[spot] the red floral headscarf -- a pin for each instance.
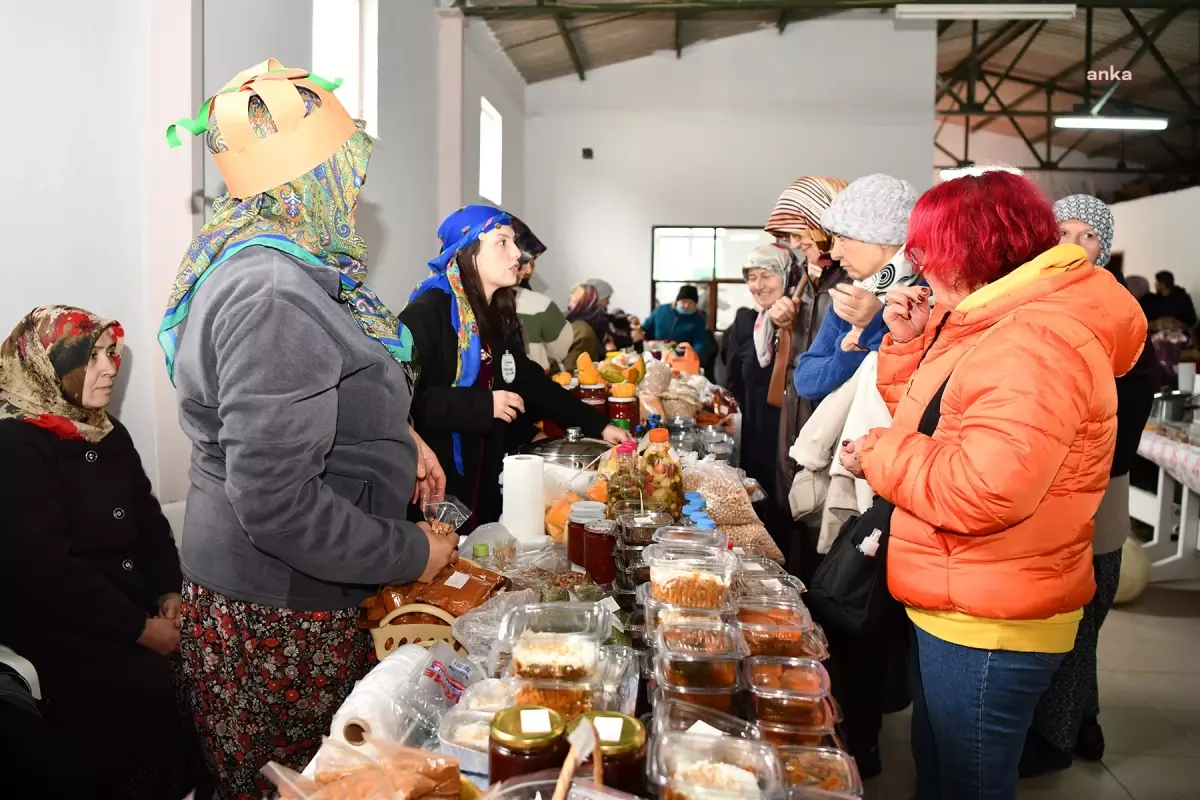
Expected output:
(42, 367)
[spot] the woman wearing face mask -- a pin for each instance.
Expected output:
(89, 581)
(1067, 718)
(681, 322)
(475, 380)
(869, 222)
(589, 326)
(749, 347)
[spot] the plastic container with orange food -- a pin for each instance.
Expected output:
(659, 613)
(791, 690)
(821, 768)
(571, 699)
(700, 655)
(688, 766)
(780, 628)
(782, 734)
(723, 700)
(687, 576)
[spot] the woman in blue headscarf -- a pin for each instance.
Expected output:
(474, 379)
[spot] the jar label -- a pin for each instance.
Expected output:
(457, 580)
(772, 583)
(508, 367)
(750, 566)
(702, 728)
(622, 423)
(609, 729)
(535, 721)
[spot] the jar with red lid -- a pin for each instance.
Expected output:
(595, 395)
(624, 412)
(576, 540)
(600, 541)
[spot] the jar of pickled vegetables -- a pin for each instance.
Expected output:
(662, 475)
(625, 486)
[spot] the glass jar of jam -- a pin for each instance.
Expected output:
(622, 747)
(624, 412)
(595, 395)
(524, 740)
(576, 523)
(600, 541)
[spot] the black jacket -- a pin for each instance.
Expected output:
(440, 409)
(85, 542)
(749, 383)
(1135, 396)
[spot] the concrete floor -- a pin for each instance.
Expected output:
(1150, 711)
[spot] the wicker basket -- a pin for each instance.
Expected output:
(394, 632)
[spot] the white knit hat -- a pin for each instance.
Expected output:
(872, 209)
(604, 289)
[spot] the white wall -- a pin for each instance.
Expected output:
(1158, 233)
(488, 72)
(714, 137)
(989, 147)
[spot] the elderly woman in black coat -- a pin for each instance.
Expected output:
(90, 578)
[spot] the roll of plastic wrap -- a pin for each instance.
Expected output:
(370, 708)
(524, 512)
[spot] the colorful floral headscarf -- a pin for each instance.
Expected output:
(585, 307)
(309, 218)
(42, 367)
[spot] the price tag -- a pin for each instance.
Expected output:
(772, 583)
(610, 604)
(458, 580)
(750, 566)
(609, 729)
(618, 624)
(739, 551)
(702, 728)
(578, 569)
(643, 520)
(535, 720)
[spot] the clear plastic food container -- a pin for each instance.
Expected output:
(569, 698)
(638, 527)
(700, 654)
(782, 735)
(625, 592)
(788, 587)
(465, 735)
(629, 556)
(556, 641)
(778, 627)
(791, 690)
(618, 674)
(691, 766)
(758, 567)
(682, 717)
(687, 576)
(821, 768)
(541, 786)
(489, 695)
(691, 537)
(723, 700)
(659, 613)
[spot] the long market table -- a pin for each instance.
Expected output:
(1179, 465)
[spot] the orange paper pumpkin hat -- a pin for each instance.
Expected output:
(252, 164)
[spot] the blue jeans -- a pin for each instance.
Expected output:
(969, 729)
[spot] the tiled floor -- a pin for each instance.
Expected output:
(1150, 711)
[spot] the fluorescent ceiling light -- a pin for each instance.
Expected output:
(977, 169)
(1111, 123)
(985, 11)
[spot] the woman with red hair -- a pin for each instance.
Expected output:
(990, 541)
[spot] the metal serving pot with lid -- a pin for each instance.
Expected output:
(573, 450)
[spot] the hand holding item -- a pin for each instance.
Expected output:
(907, 312)
(431, 478)
(854, 305)
(637, 334)
(615, 435)
(850, 457)
(168, 607)
(443, 551)
(783, 313)
(507, 405)
(160, 635)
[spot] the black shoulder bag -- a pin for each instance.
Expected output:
(849, 590)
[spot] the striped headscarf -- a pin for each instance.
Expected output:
(801, 205)
(308, 218)
(42, 367)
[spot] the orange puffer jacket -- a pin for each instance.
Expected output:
(994, 512)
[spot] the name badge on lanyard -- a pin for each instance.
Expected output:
(508, 367)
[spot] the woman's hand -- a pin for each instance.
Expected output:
(854, 305)
(783, 313)
(168, 607)
(907, 312)
(507, 405)
(443, 551)
(851, 452)
(431, 478)
(637, 334)
(160, 635)
(850, 341)
(615, 435)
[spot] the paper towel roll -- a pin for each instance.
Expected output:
(1187, 376)
(524, 511)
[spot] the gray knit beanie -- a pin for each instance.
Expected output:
(873, 209)
(1094, 212)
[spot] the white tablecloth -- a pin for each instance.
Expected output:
(1181, 461)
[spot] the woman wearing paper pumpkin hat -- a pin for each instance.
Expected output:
(476, 380)
(294, 385)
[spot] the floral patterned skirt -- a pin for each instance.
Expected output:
(263, 683)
